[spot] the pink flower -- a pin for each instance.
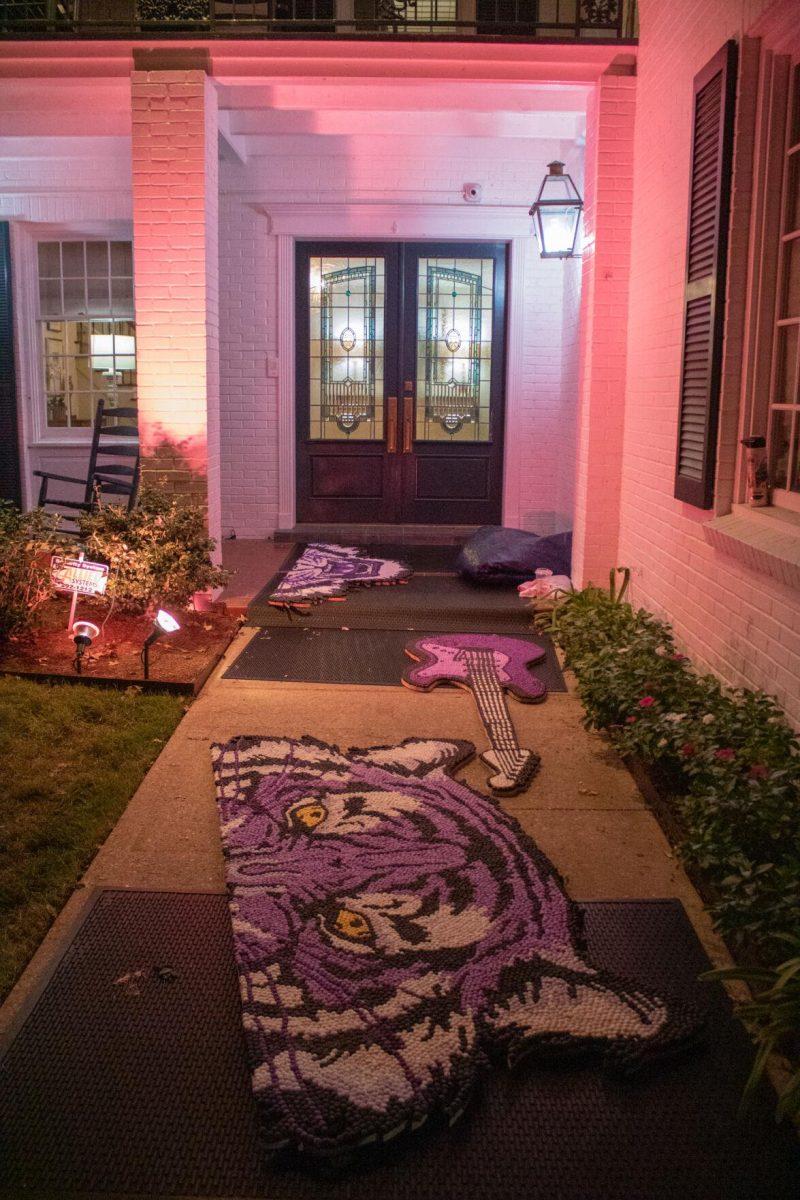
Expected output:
(630, 720)
(687, 749)
(647, 702)
(725, 755)
(679, 657)
(759, 771)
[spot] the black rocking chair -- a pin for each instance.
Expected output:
(111, 440)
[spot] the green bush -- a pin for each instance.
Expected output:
(732, 763)
(160, 553)
(26, 539)
(730, 757)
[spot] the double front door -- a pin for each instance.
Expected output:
(400, 379)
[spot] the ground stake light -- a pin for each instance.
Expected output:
(556, 213)
(164, 623)
(83, 634)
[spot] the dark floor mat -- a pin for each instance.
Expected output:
(365, 656)
(442, 603)
(129, 1077)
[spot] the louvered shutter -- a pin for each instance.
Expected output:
(9, 442)
(706, 260)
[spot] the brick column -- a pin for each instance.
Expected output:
(604, 326)
(175, 246)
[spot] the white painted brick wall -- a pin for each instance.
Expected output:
(305, 169)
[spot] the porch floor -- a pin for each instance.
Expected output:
(583, 809)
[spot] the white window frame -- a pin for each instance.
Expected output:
(785, 497)
(26, 236)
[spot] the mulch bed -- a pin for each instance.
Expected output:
(183, 659)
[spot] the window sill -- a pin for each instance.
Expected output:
(765, 539)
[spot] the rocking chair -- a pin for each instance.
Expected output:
(103, 477)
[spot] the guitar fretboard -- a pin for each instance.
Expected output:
(491, 702)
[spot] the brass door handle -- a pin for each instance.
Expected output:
(408, 428)
(391, 426)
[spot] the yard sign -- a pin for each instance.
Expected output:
(78, 575)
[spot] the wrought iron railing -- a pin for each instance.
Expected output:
(559, 20)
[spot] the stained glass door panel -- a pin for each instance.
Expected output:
(454, 349)
(346, 348)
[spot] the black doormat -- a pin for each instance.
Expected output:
(440, 603)
(129, 1078)
(364, 656)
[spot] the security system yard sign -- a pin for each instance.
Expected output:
(78, 576)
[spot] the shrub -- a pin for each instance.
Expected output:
(160, 553)
(733, 763)
(25, 541)
(730, 755)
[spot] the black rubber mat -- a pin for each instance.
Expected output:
(365, 656)
(444, 603)
(129, 1078)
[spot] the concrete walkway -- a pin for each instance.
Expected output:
(583, 809)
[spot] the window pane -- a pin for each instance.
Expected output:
(346, 349)
(82, 406)
(97, 258)
(793, 199)
(98, 296)
(57, 411)
(49, 260)
(786, 374)
(454, 349)
(72, 258)
(121, 258)
(122, 297)
(50, 304)
(780, 441)
(75, 297)
(791, 279)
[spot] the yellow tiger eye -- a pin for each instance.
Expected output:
(352, 924)
(309, 815)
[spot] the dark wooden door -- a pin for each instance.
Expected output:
(400, 382)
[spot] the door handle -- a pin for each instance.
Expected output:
(391, 426)
(408, 427)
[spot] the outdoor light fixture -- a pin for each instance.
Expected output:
(556, 213)
(83, 634)
(164, 623)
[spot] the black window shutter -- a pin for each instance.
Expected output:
(10, 488)
(706, 261)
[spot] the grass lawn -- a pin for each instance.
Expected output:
(71, 757)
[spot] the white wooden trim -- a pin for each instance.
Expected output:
(385, 221)
(395, 222)
(514, 424)
(287, 496)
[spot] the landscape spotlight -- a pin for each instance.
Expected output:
(163, 623)
(83, 634)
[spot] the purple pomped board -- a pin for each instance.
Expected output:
(326, 572)
(489, 665)
(391, 928)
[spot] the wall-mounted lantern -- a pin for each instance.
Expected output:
(556, 213)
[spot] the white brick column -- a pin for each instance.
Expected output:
(175, 246)
(604, 327)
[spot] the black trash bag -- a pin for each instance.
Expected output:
(498, 556)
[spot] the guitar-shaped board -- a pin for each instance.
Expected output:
(489, 665)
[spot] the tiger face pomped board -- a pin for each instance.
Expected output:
(391, 927)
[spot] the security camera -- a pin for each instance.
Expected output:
(472, 193)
